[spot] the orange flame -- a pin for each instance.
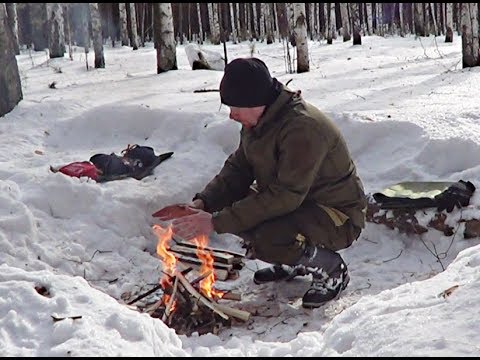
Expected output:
(206, 285)
(170, 261)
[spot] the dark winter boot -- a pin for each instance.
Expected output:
(329, 276)
(277, 273)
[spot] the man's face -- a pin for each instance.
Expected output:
(248, 117)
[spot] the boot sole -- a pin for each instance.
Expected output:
(317, 305)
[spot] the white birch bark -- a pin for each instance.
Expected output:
(255, 32)
(355, 13)
(123, 24)
(10, 84)
(333, 21)
(269, 23)
(261, 21)
(248, 25)
(234, 28)
(326, 14)
(200, 26)
(418, 19)
(402, 22)
(315, 20)
(345, 22)
(380, 24)
(214, 23)
(449, 23)
(240, 32)
(470, 37)
(56, 34)
(369, 12)
(97, 37)
(434, 20)
(13, 22)
(301, 38)
(310, 20)
(133, 24)
(164, 37)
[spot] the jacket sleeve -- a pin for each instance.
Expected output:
(230, 184)
(302, 150)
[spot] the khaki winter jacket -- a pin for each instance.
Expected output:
(296, 154)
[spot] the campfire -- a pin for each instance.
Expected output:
(190, 302)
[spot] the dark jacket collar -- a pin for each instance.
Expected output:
(272, 112)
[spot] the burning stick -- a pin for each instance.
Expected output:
(199, 296)
(166, 314)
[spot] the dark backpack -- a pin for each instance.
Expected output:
(136, 161)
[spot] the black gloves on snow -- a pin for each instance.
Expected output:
(457, 194)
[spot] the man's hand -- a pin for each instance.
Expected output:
(178, 210)
(191, 226)
(198, 204)
(174, 211)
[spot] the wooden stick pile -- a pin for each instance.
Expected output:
(183, 306)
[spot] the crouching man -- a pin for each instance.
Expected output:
(309, 202)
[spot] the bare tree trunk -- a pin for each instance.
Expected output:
(232, 20)
(142, 24)
(200, 27)
(133, 26)
(470, 38)
(123, 24)
(355, 12)
(66, 10)
(240, 33)
(369, 13)
(418, 19)
(449, 23)
(214, 23)
(431, 11)
(333, 21)
(10, 84)
(316, 16)
(164, 37)
(13, 22)
(261, 21)
(301, 38)
(97, 36)
(401, 19)
(57, 31)
(345, 22)
(270, 23)
(38, 18)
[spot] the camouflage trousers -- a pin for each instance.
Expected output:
(283, 240)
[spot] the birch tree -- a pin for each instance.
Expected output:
(200, 27)
(38, 20)
(56, 35)
(449, 23)
(234, 28)
(301, 38)
(369, 16)
(470, 39)
(164, 37)
(133, 26)
(13, 22)
(418, 19)
(122, 13)
(10, 85)
(97, 36)
(345, 22)
(213, 20)
(355, 12)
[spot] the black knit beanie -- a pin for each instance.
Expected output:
(247, 83)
